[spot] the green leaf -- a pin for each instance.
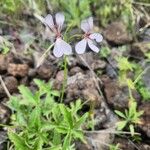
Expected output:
(78, 134)
(56, 138)
(131, 129)
(66, 114)
(119, 113)
(121, 125)
(66, 142)
(81, 121)
(13, 103)
(62, 129)
(47, 126)
(130, 84)
(34, 119)
(28, 97)
(38, 144)
(55, 93)
(18, 141)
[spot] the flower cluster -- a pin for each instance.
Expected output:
(61, 47)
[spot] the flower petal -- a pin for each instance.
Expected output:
(57, 51)
(60, 18)
(96, 36)
(92, 46)
(90, 22)
(65, 47)
(81, 46)
(85, 26)
(48, 20)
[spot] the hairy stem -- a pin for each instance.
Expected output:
(65, 79)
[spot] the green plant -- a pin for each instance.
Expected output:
(9, 6)
(5, 45)
(75, 10)
(109, 10)
(124, 67)
(105, 52)
(130, 117)
(145, 92)
(40, 123)
(114, 147)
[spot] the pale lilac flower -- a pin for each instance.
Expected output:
(60, 46)
(89, 38)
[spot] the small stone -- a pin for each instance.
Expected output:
(117, 33)
(145, 119)
(117, 95)
(82, 86)
(11, 84)
(18, 70)
(140, 49)
(3, 64)
(32, 73)
(4, 114)
(3, 139)
(45, 71)
(92, 96)
(124, 144)
(98, 64)
(75, 70)
(145, 35)
(60, 76)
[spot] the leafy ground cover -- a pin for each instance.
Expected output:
(76, 79)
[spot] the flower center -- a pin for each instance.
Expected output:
(86, 35)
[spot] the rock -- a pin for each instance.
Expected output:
(3, 138)
(11, 84)
(111, 72)
(75, 70)
(145, 35)
(146, 76)
(60, 76)
(100, 118)
(24, 81)
(117, 34)
(98, 64)
(145, 119)
(139, 49)
(83, 87)
(96, 140)
(4, 114)
(18, 70)
(32, 72)
(45, 71)
(92, 60)
(91, 95)
(143, 146)
(3, 64)
(59, 80)
(117, 96)
(19, 58)
(124, 144)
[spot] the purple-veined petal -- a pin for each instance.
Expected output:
(85, 26)
(96, 36)
(92, 46)
(57, 51)
(65, 47)
(48, 20)
(90, 22)
(81, 46)
(60, 18)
